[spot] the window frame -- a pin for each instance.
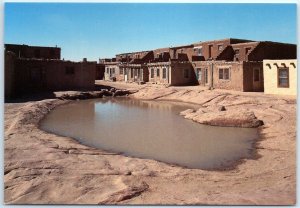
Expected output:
(223, 73)
(158, 72)
(152, 73)
(164, 73)
(220, 47)
(278, 77)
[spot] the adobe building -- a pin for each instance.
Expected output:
(243, 50)
(27, 75)
(230, 75)
(33, 75)
(231, 55)
(171, 66)
(234, 64)
(133, 66)
(280, 77)
(111, 70)
(38, 52)
(173, 73)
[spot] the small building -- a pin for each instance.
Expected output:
(35, 75)
(280, 76)
(27, 75)
(233, 75)
(111, 71)
(173, 73)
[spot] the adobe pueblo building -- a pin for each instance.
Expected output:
(280, 76)
(233, 64)
(36, 69)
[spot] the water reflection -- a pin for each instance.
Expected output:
(150, 129)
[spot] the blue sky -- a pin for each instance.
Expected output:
(103, 30)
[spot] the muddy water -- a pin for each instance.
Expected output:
(150, 129)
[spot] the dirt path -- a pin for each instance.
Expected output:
(45, 168)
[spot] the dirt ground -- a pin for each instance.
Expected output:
(42, 168)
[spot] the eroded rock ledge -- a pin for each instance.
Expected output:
(93, 94)
(219, 116)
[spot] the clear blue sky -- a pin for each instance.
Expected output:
(103, 30)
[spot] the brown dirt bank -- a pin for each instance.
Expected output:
(45, 168)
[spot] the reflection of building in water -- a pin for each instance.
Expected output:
(147, 104)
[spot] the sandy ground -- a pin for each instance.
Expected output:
(42, 168)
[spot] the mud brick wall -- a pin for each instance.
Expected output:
(158, 77)
(177, 74)
(271, 50)
(9, 73)
(25, 51)
(250, 85)
(53, 75)
(100, 68)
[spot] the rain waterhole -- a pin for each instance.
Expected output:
(152, 130)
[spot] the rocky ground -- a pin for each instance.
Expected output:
(42, 168)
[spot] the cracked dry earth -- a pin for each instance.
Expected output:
(42, 168)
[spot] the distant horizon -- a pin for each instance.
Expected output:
(102, 30)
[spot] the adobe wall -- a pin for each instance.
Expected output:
(271, 50)
(9, 74)
(204, 66)
(235, 81)
(100, 68)
(25, 51)
(270, 68)
(250, 85)
(244, 50)
(177, 74)
(52, 75)
(158, 78)
(215, 51)
(133, 73)
(107, 71)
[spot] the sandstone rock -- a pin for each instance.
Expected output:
(245, 119)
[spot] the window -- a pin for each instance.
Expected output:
(186, 73)
(220, 47)
(283, 77)
(199, 74)
(112, 70)
(237, 52)
(210, 51)
(164, 73)
(224, 74)
(131, 73)
(256, 75)
(157, 72)
(247, 50)
(152, 73)
(200, 51)
(121, 71)
(69, 70)
(206, 76)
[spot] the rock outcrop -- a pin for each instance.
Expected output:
(217, 117)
